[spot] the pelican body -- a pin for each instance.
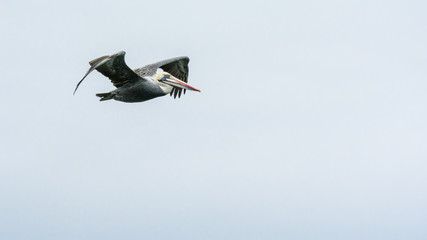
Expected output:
(144, 83)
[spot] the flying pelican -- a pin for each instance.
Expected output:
(143, 83)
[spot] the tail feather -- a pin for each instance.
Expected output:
(105, 96)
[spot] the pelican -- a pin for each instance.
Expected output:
(144, 83)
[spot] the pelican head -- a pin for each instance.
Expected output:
(167, 79)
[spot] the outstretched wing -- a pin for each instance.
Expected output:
(178, 67)
(113, 67)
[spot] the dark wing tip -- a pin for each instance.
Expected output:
(76, 88)
(78, 84)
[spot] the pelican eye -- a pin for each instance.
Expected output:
(166, 76)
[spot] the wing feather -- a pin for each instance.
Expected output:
(113, 67)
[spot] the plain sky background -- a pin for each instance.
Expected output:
(311, 123)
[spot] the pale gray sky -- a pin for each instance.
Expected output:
(311, 123)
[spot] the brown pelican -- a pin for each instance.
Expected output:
(143, 83)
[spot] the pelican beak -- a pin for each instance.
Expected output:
(175, 82)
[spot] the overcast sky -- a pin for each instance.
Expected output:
(311, 123)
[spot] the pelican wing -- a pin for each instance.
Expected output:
(113, 67)
(178, 67)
